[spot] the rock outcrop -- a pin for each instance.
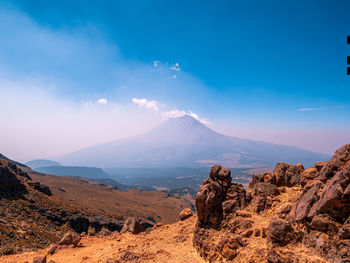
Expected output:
(11, 185)
(81, 222)
(218, 197)
(279, 213)
(217, 200)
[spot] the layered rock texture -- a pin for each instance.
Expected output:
(289, 215)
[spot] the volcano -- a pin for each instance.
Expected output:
(186, 142)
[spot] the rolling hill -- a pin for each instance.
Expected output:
(185, 142)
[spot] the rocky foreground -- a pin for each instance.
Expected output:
(291, 215)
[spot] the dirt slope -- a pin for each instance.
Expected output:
(168, 243)
(154, 205)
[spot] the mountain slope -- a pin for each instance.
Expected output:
(186, 142)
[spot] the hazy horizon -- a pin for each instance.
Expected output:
(78, 74)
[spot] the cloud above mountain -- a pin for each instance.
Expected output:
(147, 104)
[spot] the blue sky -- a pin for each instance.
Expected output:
(267, 70)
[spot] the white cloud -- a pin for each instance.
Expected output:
(195, 115)
(173, 113)
(102, 101)
(179, 113)
(321, 108)
(174, 77)
(156, 63)
(147, 104)
(175, 67)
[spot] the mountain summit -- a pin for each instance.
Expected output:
(186, 142)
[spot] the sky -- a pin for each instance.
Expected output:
(78, 73)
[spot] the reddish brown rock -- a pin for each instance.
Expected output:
(331, 199)
(70, 239)
(300, 167)
(319, 165)
(212, 194)
(321, 223)
(132, 225)
(39, 259)
(310, 173)
(344, 232)
(277, 257)
(306, 201)
(336, 163)
(280, 232)
(216, 202)
(286, 174)
(53, 248)
(235, 199)
(259, 203)
(185, 213)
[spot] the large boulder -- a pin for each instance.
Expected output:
(211, 195)
(332, 199)
(336, 163)
(216, 202)
(329, 192)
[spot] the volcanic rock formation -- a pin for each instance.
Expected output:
(289, 215)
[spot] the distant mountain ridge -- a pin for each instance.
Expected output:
(186, 142)
(42, 163)
(74, 171)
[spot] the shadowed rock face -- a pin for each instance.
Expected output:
(217, 200)
(10, 184)
(329, 192)
(218, 197)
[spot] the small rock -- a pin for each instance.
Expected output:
(280, 232)
(274, 257)
(310, 173)
(39, 259)
(132, 225)
(248, 233)
(52, 249)
(243, 214)
(257, 232)
(70, 239)
(344, 232)
(300, 167)
(186, 213)
(320, 222)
